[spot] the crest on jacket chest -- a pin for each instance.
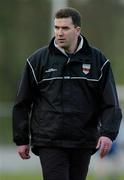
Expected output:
(86, 68)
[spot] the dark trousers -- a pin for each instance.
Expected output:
(64, 163)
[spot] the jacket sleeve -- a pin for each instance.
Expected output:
(110, 116)
(22, 108)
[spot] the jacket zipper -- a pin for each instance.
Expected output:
(68, 60)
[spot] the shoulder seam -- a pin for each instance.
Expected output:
(102, 68)
(32, 71)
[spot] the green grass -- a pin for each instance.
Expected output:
(114, 177)
(22, 176)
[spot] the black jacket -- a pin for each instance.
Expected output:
(66, 100)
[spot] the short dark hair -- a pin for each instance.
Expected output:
(69, 12)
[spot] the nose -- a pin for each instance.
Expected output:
(60, 32)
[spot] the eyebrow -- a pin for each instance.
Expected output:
(61, 26)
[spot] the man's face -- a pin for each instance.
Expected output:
(66, 33)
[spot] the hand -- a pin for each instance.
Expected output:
(104, 144)
(23, 151)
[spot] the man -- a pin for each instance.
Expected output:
(67, 103)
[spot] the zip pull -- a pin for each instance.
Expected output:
(68, 60)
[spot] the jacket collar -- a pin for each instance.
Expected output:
(80, 45)
(83, 49)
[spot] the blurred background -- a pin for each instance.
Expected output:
(26, 25)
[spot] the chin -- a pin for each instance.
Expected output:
(62, 46)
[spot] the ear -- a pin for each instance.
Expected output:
(78, 30)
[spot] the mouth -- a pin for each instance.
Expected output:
(61, 40)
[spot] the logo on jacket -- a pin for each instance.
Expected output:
(86, 68)
(51, 70)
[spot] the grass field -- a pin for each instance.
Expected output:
(34, 176)
(20, 177)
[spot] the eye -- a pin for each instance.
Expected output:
(65, 28)
(56, 27)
